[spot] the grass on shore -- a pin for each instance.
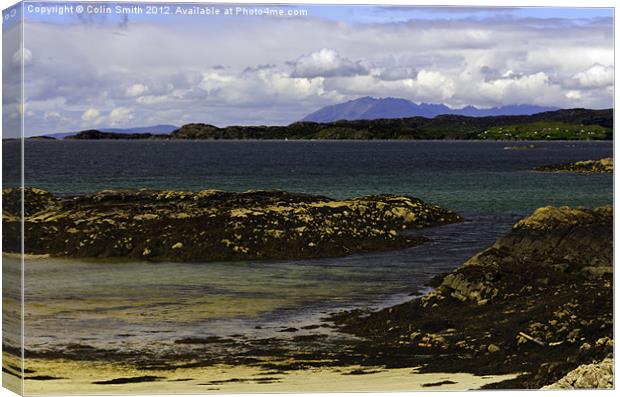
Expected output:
(546, 130)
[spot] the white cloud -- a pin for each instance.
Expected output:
(596, 76)
(91, 118)
(215, 79)
(137, 90)
(532, 89)
(90, 114)
(50, 115)
(326, 63)
(434, 84)
(255, 86)
(119, 116)
(282, 85)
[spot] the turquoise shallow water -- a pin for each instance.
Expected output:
(145, 307)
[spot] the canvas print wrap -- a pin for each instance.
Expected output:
(223, 198)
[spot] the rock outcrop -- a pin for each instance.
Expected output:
(539, 302)
(213, 225)
(598, 375)
(565, 239)
(601, 166)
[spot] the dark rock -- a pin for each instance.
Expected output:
(439, 383)
(42, 377)
(213, 225)
(605, 165)
(135, 379)
(550, 235)
(525, 300)
(362, 372)
(35, 200)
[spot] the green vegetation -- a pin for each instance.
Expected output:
(546, 130)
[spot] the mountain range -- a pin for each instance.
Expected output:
(369, 108)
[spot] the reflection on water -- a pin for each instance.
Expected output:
(146, 306)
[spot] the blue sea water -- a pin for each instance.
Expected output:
(466, 176)
(146, 306)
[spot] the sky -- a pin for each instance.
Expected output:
(108, 70)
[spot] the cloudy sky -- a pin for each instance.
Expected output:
(86, 71)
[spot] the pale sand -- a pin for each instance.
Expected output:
(79, 377)
(17, 255)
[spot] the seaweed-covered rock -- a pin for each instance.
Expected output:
(214, 225)
(35, 200)
(552, 239)
(539, 302)
(605, 165)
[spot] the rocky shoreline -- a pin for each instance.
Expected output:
(538, 302)
(601, 166)
(212, 225)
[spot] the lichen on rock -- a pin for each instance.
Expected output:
(213, 225)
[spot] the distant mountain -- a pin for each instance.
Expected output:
(508, 110)
(155, 129)
(368, 108)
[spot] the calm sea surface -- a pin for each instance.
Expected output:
(145, 306)
(463, 175)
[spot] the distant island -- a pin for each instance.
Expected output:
(96, 134)
(152, 129)
(565, 124)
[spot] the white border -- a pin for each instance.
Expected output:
(460, 3)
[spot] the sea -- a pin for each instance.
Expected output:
(144, 306)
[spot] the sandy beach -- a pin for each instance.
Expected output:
(81, 378)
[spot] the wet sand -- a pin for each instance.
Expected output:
(103, 378)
